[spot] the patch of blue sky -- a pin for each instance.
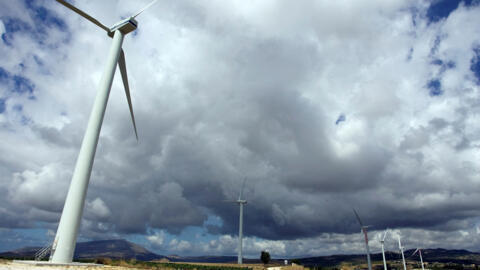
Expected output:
(4, 38)
(2, 105)
(475, 64)
(3, 75)
(198, 233)
(43, 20)
(45, 16)
(201, 233)
(213, 220)
(415, 14)
(193, 234)
(17, 84)
(435, 87)
(22, 85)
(18, 238)
(448, 64)
(341, 118)
(436, 44)
(444, 65)
(439, 10)
(410, 54)
(13, 26)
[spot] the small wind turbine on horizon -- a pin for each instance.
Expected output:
(240, 202)
(364, 230)
(419, 250)
(382, 242)
(401, 250)
(63, 246)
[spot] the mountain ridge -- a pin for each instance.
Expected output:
(123, 249)
(114, 249)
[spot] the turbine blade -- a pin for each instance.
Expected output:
(143, 9)
(83, 14)
(123, 71)
(241, 191)
(385, 235)
(416, 250)
(358, 218)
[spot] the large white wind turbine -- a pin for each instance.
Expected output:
(401, 250)
(240, 202)
(364, 230)
(419, 253)
(382, 242)
(63, 246)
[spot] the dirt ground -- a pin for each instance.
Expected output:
(254, 266)
(12, 265)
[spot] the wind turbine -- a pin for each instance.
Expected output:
(383, 249)
(364, 230)
(419, 253)
(63, 246)
(240, 202)
(403, 256)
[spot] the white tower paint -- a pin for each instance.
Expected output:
(66, 237)
(403, 256)
(419, 253)
(240, 232)
(63, 246)
(383, 250)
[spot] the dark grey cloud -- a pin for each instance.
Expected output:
(224, 92)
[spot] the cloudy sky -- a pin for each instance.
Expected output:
(321, 105)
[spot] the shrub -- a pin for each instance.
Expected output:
(103, 260)
(265, 257)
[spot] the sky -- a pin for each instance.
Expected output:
(323, 106)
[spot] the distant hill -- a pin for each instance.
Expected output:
(123, 249)
(449, 255)
(115, 249)
(429, 255)
(204, 259)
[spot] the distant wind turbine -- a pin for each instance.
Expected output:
(383, 249)
(419, 253)
(240, 202)
(401, 250)
(364, 230)
(63, 246)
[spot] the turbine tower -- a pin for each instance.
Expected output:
(364, 230)
(240, 202)
(382, 242)
(419, 253)
(63, 246)
(403, 256)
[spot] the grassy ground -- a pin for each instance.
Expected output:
(110, 264)
(125, 265)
